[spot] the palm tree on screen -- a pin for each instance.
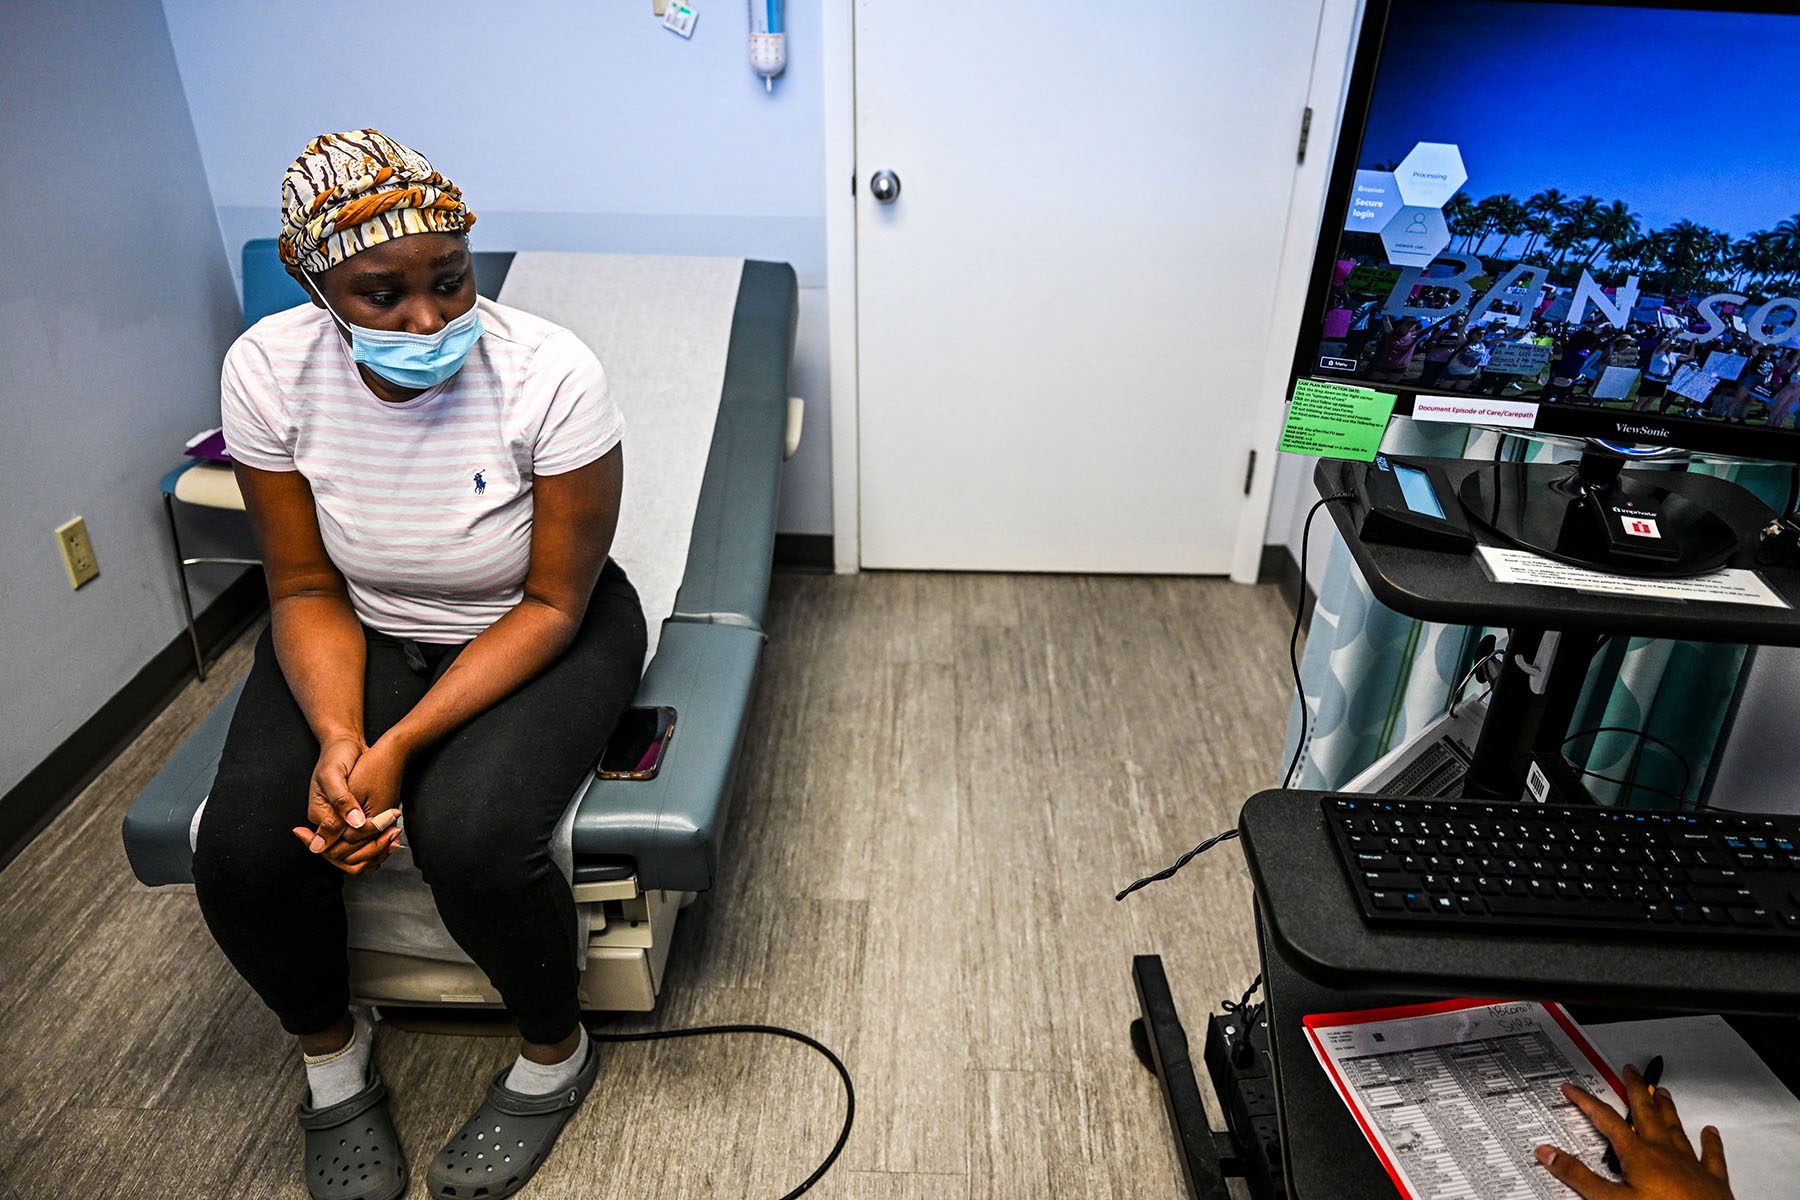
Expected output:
(1543, 210)
(1614, 226)
(1510, 220)
(1459, 215)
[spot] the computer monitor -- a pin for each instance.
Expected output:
(1574, 218)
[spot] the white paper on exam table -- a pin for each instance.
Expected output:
(1454, 1096)
(1715, 1078)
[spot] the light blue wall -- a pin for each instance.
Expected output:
(569, 125)
(115, 308)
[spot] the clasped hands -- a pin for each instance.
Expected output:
(352, 786)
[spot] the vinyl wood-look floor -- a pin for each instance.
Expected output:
(948, 776)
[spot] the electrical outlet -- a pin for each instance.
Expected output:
(77, 551)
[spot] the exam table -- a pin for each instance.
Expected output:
(697, 352)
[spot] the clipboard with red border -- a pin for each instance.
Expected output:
(1316, 1021)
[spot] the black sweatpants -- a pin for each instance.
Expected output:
(480, 808)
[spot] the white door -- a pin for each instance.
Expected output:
(1062, 317)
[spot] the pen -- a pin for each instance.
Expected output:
(1652, 1075)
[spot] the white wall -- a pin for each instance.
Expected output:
(568, 125)
(115, 309)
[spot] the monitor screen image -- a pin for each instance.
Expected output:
(1555, 215)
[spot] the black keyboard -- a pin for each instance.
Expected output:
(1583, 872)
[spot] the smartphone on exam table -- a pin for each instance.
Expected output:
(638, 744)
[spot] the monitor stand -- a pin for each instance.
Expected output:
(1594, 513)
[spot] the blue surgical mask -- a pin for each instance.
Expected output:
(411, 360)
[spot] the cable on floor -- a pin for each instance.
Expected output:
(771, 1031)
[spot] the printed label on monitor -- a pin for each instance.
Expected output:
(1638, 526)
(1537, 784)
(1476, 410)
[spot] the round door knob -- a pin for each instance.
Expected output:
(884, 186)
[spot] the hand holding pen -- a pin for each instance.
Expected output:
(1652, 1076)
(1654, 1153)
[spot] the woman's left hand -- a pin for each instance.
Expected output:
(375, 778)
(375, 783)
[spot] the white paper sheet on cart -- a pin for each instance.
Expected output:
(1735, 585)
(1455, 1096)
(1715, 1078)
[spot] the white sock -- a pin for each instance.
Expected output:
(335, 1077)
(537, 1079)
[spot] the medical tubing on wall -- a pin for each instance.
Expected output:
(768, 40)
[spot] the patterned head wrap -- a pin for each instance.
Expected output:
(349, 191)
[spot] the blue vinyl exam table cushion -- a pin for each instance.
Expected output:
(664, 830)
(269, 289)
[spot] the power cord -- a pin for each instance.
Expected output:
(1252, 1012)
(1299, 690)
(1630, 784)
(772, 1031)
(1242, 1003)
(1687, 768)
(1294, 635)
(1202, 848)
(1232, 1006)
(1490, 657)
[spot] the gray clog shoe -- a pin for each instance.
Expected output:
(500, 1148)
(352, 1151)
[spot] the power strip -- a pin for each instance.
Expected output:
(1243, 1078)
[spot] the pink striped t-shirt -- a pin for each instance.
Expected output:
(424, 506)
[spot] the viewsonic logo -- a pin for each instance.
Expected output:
(1642, 430)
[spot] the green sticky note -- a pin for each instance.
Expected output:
(1335, 420)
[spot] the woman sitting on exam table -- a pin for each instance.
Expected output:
(434, 481)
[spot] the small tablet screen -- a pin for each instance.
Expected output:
(1421, 497)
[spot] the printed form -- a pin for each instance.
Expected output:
(1734, 585)
(1455, 1096)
